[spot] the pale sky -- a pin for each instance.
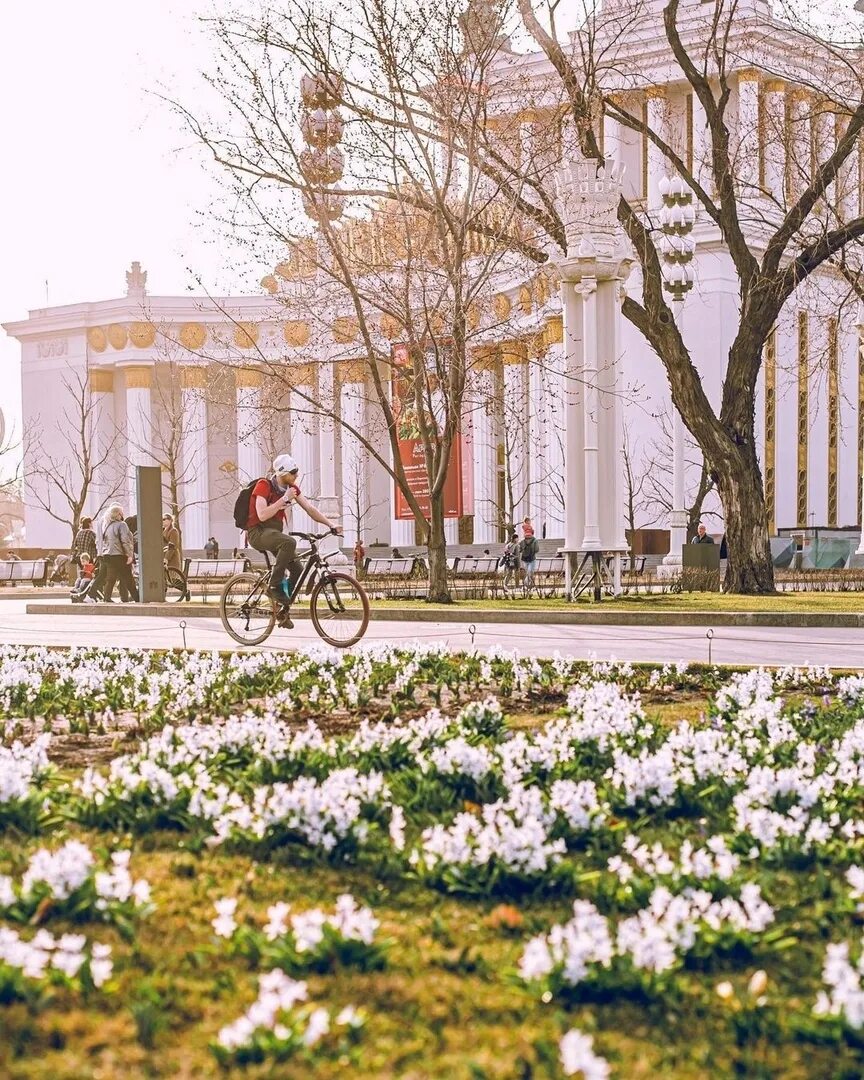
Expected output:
(97, 172)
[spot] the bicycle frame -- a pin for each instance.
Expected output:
(313, 562)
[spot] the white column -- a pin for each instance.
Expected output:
(139, 427)
(251, 460)
(678, 514)
(484, 450)
(516, 421)
(587, 289)
(703, 153)
(658, 122)
(847, 177)
(195, 487)
(775, 140)
(825, 141)
(555, 397)
(619, 492)
(304, 448)
(538, 445)
(355, 479)
(102, 434)
(800, 142)
(748, 132)
(574, 419)
(328, 495)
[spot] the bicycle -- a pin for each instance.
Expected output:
(176, 587)
(338, 604)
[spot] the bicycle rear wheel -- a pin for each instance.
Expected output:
(247, 612)
(339, 609)
(175, 584)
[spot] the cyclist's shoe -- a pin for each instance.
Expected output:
(283, 619)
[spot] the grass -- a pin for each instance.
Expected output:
(661, 602)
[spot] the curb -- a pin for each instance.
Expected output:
(839, 619)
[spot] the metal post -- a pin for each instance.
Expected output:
(151, 569)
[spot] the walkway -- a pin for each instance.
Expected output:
(730, 645)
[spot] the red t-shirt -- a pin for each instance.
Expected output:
(267, 491)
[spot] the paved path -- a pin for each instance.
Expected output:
(730, 645)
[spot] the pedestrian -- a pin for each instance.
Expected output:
(528, 552)
(397, 554)
(211, 548)
(359, 554)
(171, 542)
(83, 543)
(118, 553)
(702, 536)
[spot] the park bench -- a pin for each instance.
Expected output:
(474, 576)
(549, 574)
(206, 572)
(393, 579)
(33, 571)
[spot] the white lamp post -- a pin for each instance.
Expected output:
(677, 247)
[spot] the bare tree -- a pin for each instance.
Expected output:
(657, 477)
(637, 471)
(83, 471)
(777, 229)
(409, 254)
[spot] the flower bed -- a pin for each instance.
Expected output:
(680, 892)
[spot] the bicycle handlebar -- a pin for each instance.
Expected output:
(313, 538)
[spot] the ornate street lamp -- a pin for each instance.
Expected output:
(677, 248)
(323, 163)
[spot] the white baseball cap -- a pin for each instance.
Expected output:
(284, 463)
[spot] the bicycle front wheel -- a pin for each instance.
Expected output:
(340, 610)
(247, 612)
(175, 584)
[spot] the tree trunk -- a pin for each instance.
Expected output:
(749, 568)
(439, 589)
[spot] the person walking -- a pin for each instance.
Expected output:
(83, 543)
(171, 543)
(359, 555)
(528, 553)
(117, 552)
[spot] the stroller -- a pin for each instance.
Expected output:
(90, 591)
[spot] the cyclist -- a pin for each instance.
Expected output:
(267, 504)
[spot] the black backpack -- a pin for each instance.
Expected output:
(241, 503)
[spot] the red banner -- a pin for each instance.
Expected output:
(457, 494)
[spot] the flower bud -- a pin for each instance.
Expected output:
(725, 990)
(758, 983)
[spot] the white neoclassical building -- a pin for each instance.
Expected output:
(220, 355)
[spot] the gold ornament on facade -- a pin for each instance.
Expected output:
(351, 371)
(101, 380)
(554, 330)
(96, 339)
(193, 376)
(300, 375)
(485, 357)
(296, 333)
(269, 283)
(117, 336)
(542, 289)
(249, 378)
(142, 334)
(501, 306)
(138, 378)
(389, 327)
(514, 352)
(246, 335)
(748, 75)
(472, 316)
(436, 324)
(345, 330)
(192, 335)
(526, 301)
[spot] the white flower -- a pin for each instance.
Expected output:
(225, 924)
(577, 1056)
(317, 1027)
(277, 924)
